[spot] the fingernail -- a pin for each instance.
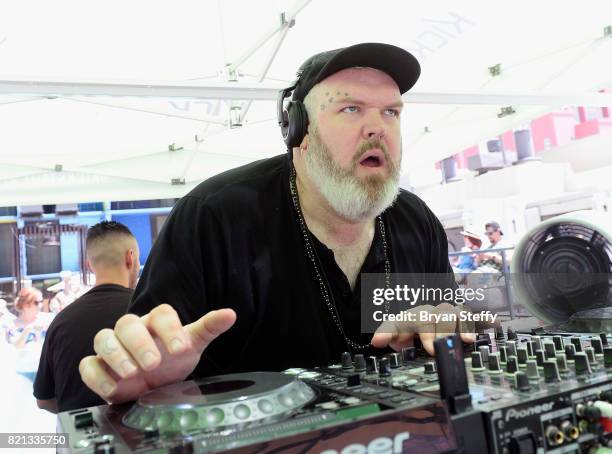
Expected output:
(127, 367)
(107, 388)
(176, 345)
(148, 359)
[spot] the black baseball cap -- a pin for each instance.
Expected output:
(398, 63)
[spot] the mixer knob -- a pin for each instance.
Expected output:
(549, 350)
(477, 365)
(372, 364)
(558, 342)
(494, 363)
(562, 362)
(604, 339)
(522, 381)
(511, 346)
(483, 338)
(570, 351)
(551, 372)
(540, 358)
(430, 368)
(484, 352)
(360, 363)
(346, 361)
(581, 362)
(577, 343)
(607, 356)
(384, 368)
(499, 333)
(532, 369)
(522, 356)
(511, 365)
(408, 354)
(394, 360)
(590, 352)
(597, 345)
(511, 334)
(503, 354)
(538, 343)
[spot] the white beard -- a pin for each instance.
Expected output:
(350, 197)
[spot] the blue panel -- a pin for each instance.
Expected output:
(140, 225)
(69, 251)
(70, 241)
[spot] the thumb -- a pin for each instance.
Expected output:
(206, 329)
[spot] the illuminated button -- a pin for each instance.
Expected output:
(285, 400)
(265, 406)
(165, 419)
(188, 419)
(215, 416)
(242, 411)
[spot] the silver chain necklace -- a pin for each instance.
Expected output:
(310, 251)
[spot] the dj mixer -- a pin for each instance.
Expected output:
(537, 392)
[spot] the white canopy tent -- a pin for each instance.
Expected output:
(136, 100)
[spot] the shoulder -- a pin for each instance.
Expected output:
(408, 205)
(241, 181)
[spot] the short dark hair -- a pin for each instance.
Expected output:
(105, 228)
(495, 226)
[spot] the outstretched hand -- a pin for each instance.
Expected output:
(144, 353)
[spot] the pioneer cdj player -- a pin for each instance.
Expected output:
(508, 393)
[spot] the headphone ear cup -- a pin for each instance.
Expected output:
(298, 124)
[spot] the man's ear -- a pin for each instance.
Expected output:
(129, 258)
(89, 268)
(304, 144)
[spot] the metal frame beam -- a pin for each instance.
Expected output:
(257, 92)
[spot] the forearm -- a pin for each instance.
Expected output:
(49, 404)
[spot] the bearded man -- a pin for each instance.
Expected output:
(267, 257)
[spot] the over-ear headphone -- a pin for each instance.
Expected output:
(293, 119)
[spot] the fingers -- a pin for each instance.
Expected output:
(203, 331)
(381, 340)
(428, 336)
(448, 322)
(109, 349)
(402, 340)
(468, 338)
(95, 376)
(165, 323)
(135, 342)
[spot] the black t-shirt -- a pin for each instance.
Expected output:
(235, 241)
(70, 338)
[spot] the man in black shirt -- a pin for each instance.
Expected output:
(270, 254)
(113, 256)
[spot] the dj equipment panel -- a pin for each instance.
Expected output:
(510, 393)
